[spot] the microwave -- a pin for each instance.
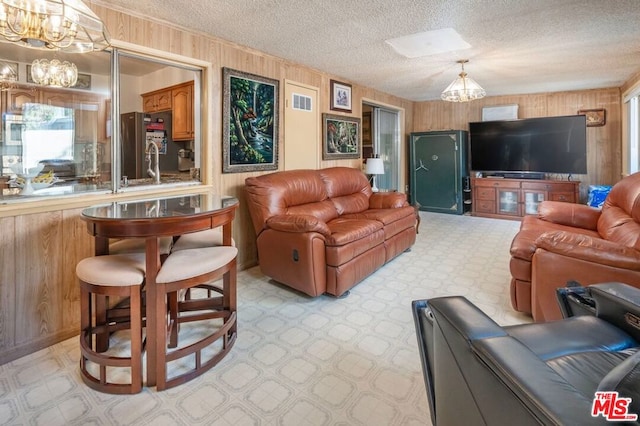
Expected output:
(12, 129)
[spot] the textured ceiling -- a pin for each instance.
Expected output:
(518, 46)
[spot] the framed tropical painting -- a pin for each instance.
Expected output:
(341, 137)
(250, 122)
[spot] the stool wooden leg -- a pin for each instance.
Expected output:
(136, 339)
(102, 339)
(172, 300)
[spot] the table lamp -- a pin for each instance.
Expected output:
(374, 167)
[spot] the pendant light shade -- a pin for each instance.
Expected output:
(463, 88)
(54, 73)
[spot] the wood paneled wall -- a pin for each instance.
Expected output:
(604, 152)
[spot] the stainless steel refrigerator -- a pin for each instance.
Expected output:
(134, 127)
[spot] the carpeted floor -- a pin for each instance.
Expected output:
(297, 361)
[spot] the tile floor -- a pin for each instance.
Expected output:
(297, 360)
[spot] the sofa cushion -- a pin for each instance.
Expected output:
(352, 203)
(590, 249)
(617, 225)
(298, 223)
(524, 243)
(340, 181)
(323, 210)
(345, 231)
(274, 193)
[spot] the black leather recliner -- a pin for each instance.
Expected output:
(478, 373)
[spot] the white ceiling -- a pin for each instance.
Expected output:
(517, 46)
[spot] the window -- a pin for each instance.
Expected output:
(67, 133)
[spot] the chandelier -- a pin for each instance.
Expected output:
(8, 75)
(54, 73)
(66, 25)
(463, 88)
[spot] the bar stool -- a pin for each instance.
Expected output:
(101, 277)
(197, 268)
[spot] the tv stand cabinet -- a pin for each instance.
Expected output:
(515, 198)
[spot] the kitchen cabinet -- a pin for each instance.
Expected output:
(515, 198)
(14, 99)
(158, 100)
(182, 111)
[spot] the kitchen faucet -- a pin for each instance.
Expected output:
(152, 146)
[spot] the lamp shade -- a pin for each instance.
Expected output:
(374, 166)
(463, 88)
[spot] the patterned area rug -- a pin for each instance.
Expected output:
(298, 360)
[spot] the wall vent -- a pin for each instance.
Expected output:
(301, 102)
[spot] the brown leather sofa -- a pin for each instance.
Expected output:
(573, 242)
(323, 231)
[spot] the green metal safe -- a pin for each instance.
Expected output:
(438, 170)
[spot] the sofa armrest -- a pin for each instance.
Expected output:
(585, 247)
(618, 304)
(298, 223)
(569, 214)
(387, 200)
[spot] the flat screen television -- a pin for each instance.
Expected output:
(529, 147)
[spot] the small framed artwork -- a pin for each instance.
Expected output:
(595, 117)
(341, 137)
(340, 96)
(249, 121)
(8, 71)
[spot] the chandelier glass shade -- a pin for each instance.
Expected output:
(54, 73)
(463, 88)
(8, 75)
(66, 25)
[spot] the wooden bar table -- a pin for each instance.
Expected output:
(151, 219)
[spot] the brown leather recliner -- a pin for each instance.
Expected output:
(573, 242)
(323, 231)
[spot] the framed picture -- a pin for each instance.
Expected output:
(8, 71)
(84, 80)
(340, 96)
(595, 117)
(250, 122)
(341, 137)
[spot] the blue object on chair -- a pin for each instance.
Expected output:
(597, 195)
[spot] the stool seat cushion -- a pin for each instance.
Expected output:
(200, 239)
(137, 245)
(185, 264)
(112, 270)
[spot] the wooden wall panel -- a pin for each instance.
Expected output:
(39, 261)
(604, 144)
(7, 283)
(77, 244)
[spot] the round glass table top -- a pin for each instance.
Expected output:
(159, 207)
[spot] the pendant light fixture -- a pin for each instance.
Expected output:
(64, 25)
(463, 88)
(54, 73)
